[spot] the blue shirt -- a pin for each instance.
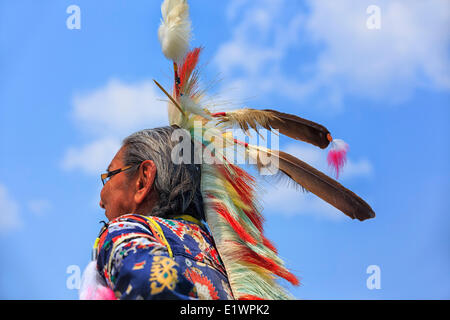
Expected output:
(143, 257)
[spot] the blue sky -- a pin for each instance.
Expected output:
(68, 97)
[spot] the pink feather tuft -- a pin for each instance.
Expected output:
(104, 293)
(337, 156)
(93, 287)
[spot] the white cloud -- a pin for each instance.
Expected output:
(362, 168)
(92, 158)
(270, 45)
(109, 114)
(286, 201)
(251, 60)
(39, 206)
(410, 50)
(234, 7)
(9, 212)
(118, 108)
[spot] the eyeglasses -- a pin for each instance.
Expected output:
(108, 175)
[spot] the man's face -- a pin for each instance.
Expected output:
(117, 194)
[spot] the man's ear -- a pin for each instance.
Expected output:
(145, 180)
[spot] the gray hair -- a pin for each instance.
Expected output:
(178, 185)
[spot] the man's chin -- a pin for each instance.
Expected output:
(112, 215)
(108, 215)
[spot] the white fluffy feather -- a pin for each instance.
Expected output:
(193, 107)
(174, 33)
(93, 286)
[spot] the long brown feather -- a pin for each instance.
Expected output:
(287, 124)
(299, 128)
(320, 184)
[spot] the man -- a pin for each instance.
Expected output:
(156, 245)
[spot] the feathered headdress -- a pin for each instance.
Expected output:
(229, 192)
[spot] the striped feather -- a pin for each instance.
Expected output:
(287, 124)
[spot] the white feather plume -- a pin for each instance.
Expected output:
(93, 287)
(174, 33)
(193, 107)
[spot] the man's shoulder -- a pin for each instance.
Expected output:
(124, 227)
(162, 230)
(125, 222)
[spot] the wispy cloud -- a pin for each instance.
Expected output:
(118, 108)
(9, 212)
(252, 59)
(409, 51)
(267, 51)
(289, 202)
(92, 158)
(39, 207)
(107, 115)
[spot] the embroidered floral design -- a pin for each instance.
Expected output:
(178, 228)
(204, 287)
(163, 274)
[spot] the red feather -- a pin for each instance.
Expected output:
(189, 64)
(255, 218)
(269, 244)
(266, 263)
(250, 297)
(241, 181)
(243, 234)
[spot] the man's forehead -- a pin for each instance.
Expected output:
(116, 161)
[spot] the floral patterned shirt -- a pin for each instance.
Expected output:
(143, 257)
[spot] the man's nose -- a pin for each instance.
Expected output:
(101, 204)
